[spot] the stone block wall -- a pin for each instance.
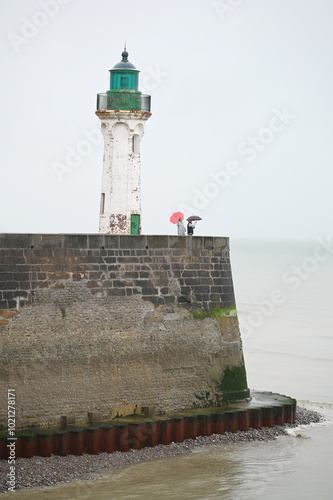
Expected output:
(113, 325)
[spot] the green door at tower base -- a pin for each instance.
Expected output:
(135, 224)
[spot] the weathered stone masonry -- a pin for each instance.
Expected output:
(106, 325)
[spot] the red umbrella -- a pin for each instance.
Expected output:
(176, 216)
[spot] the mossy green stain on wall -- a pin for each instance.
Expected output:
(214, 313)
(234, 384)
(118, 99)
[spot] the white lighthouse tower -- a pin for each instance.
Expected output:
(123, 111)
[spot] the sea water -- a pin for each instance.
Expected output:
(284, 294)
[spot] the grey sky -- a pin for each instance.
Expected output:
(241, 131)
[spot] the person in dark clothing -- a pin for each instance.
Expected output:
(190, 227)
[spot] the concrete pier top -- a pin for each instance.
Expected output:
(106, 241)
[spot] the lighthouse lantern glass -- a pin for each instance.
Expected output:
(127, 80)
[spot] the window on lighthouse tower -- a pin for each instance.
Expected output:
(102, 207)
(124, 82)
(135, 144)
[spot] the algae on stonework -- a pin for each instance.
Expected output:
(214, 313)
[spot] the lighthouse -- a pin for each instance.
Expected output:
(123, 111)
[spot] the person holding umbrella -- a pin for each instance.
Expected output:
(177, 218)
(190, 227)
(180, 227)
(191, 222)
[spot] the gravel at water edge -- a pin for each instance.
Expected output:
(38, 472)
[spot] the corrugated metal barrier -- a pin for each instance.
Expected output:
(109, 437)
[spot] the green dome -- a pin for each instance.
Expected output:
(124, 63)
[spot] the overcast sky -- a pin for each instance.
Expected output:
(241, 131)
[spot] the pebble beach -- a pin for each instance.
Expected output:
(38, 472)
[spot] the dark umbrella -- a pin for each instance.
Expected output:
(193, 217)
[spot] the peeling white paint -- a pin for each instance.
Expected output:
(121, 180)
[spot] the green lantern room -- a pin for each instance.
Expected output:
(123, 94)
(124, 80)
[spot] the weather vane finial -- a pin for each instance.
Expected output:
(124, 54)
